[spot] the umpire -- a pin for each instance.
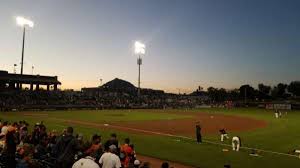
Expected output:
(198, 133)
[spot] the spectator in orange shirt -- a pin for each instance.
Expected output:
(95, 150)
(127, 151)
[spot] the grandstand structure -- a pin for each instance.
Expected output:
(11, 81)
(118, 86)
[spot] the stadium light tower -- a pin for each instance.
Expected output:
(15, 70)
(139, 49)
(23, 23)
(32, 68)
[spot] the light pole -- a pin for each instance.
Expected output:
(178, 91)
(139, 51)
(32, 68)
(15, 71)
(23, 23)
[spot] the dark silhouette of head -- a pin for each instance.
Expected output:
(69, 131)
(113, 136)
(165, 165)
(127, 140)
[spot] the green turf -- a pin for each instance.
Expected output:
(281, 135)
(107, 115)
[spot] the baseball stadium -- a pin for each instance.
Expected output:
(168, 135)
(149, 84)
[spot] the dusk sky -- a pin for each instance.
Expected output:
(220, 43)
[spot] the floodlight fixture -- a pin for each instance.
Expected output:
(21, 21)
(139, 48)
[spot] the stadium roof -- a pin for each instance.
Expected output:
(28, 79)
(119, 84)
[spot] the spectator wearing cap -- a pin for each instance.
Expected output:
(112, 141)
(110, 159)
(66, 148)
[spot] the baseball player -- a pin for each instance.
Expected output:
(276, 112)
(223, 134)
(280, 114)
(236, 143)
(295, 152)
(198, 133)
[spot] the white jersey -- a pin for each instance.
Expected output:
(236, 143)
(235, 138)
(85, 163)
(4, 130)
(110, 160)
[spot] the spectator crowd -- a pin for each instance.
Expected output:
(26, 99)
(40, 148)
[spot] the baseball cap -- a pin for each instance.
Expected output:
(136, 162)
(112, 147)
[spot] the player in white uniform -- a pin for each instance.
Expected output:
(276, 112)
(295, 152)
(236, 143)
(223, 134)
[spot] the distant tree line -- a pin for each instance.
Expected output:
(246, 92)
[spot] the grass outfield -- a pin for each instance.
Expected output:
(108, 115)
(281, 135)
